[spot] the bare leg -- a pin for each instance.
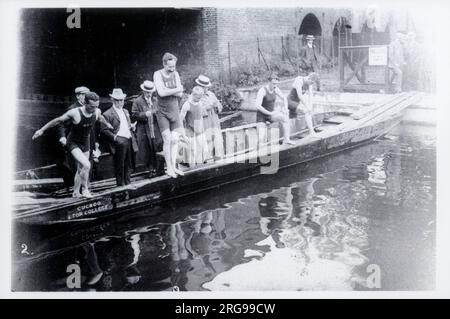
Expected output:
(309, 123)
(77, 182)
(284, 120)
(174, 151)
(83, 168)
(166, 135)
(218, 142)
(196, 155)
(203, 145)
(85, 179)
(286, 132)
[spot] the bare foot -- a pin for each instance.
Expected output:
(86, 194)
(77, 195)
(290, 142)
(171, 173)
(179, 172)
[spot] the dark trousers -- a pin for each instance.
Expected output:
(122, 160)
(146, 154)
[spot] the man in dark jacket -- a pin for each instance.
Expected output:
(310, 58)
(121, 138)
(149, 138)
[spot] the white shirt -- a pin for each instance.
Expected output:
(124, 131)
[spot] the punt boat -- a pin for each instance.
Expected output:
(250, 150)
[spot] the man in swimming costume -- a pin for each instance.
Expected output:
(78, 144)
(300, 99)
(265, 105)
(65, 163)
(169, 91)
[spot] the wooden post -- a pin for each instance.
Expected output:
(229, 62)
(332, 50)
(339, 38)
(321, 44)
(363, 71)
(387, 83)
(259, 50)
(350, 37)
(341, 70)
(282, 49)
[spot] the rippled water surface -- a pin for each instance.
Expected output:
(332, 224)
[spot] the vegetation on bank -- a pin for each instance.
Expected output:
(244, 76)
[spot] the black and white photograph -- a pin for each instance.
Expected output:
(235, 148)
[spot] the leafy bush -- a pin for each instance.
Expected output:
(250, 75)
(228, 95)
(188, 76)
(285, 69)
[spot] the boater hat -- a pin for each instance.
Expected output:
(148, 86)
(310, 37)
(81, 90)
(117, 94)
(203, 81)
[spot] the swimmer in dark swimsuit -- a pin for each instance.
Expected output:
(82, 118)
(300, 99)
(266, 110)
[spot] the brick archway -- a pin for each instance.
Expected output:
(310, 25)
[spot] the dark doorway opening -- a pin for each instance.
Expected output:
(310, 25)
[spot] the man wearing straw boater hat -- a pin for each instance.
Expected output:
(211, 121)
(310, 58)
(149, 138)
(121, 138)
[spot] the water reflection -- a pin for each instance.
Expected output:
(309, 244)
(316, 227)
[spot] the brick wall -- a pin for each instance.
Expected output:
(210, 41)
(234, 31)
(242, 26)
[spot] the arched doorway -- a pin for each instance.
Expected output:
(342, 36)
(310, 25)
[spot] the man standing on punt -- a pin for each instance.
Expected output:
(65, 164)
(121, 137)
(169, 91)
(147, 130)
(78, 142)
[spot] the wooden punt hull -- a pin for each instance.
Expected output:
(156, 190)
(250, 150)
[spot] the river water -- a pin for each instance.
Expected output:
(363, 219)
